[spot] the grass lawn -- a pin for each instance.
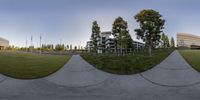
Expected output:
(192, 57)
(29, 66)
(128, 64)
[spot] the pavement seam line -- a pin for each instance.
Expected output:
(101, 82)
(155, 83)
(3, 80)
(173, 68)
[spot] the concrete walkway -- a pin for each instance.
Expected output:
(78, 73)
(172, 79)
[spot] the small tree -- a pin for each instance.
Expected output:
(172, 42)
(95, 35)
(67, 47)
(60, 47)
(70, 47)
(75, 48)
(122, 37)
(163, 38)
(167, 41)
(151, 25)
(130, 44)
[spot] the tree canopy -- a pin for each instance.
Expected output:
(121, 34)
(165, 41)
(95, 35)
(172, 42)
(151, 25)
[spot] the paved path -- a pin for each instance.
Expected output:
(172, 79)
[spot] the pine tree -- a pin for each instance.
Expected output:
(122, 37)
(172, 42)
(163, 40)
(95, 35)
(167, 41)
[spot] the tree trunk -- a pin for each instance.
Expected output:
(150, 51)
(121, 50)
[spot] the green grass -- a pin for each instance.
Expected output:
(29, 66)
(128, 64)
(192, 57)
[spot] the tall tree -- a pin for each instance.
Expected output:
(95, 35)
(151, 25)
(130, 44)
(67, 47)
(163, 40)
(167, 41)
(121, 34)
(172, 42)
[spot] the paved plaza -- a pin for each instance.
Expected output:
(172, 79)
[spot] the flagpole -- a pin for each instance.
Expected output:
(31, 43)
(40, 44)
(26, 46)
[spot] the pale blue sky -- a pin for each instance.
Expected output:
(71, 20)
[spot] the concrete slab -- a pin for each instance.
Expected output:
(78, 80)
(2, 78)
(78, 73)
(174, 61)
(173, 71)
(167, 77)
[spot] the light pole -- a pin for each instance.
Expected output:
(31, 43)
(26, 45)
(40, 44)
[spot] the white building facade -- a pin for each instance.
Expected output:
(3, 43)
(106, 44)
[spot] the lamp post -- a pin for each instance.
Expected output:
(31, 43)
(40, 44)
(26, 46)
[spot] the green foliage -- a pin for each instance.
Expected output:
(95, 35)
(165, 41)
(172, 43)
(60, 47)
(47, 47)
(151, 25)
(163, 38)
(127, 64)
(75, 48)
(121, 34)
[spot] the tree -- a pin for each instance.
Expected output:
(95, 35)
(67, 47)
(167, 41)
(151, 25)
(172, 42)
(47, 47)
(163, 40)
(75, 48)
(121, 34)
(130, 44)
(60, 47)
(70, 47)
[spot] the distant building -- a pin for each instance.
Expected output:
(106, 44)
(138, 45)
(185, 40)
(3, 43)
(89, 46)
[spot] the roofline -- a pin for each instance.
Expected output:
(188, 34)
(4, 39)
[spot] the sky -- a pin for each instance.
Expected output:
(70, 21)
